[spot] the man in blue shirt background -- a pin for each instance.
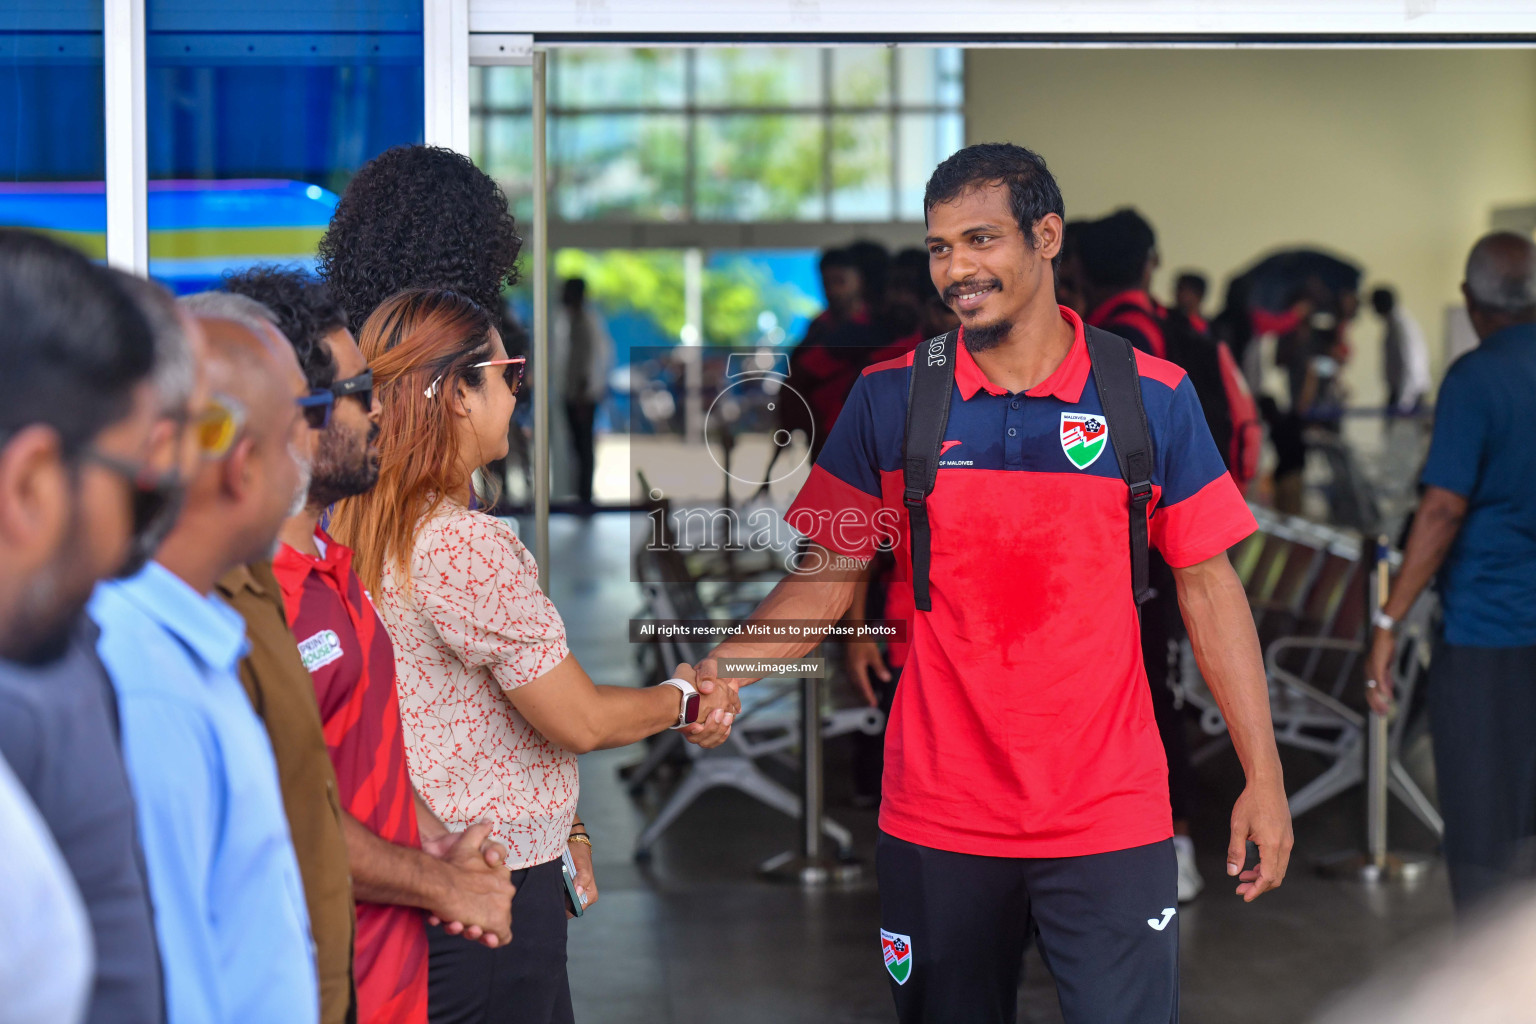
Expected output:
(230, 912)
(1476, 527)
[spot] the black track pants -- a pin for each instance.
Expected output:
(954, 928)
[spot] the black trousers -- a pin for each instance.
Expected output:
(580, 416)
(1482, 712)
(523, 982)
(954, 928)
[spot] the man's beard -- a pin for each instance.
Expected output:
(50, 603)
(344, 467)
(982, 337)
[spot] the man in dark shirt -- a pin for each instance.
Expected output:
(1476, 529)
(84, 456)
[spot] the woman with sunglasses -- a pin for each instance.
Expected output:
(494, 707)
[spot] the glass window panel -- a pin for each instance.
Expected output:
(861, 76)
(930, 77)
(757, 77)
(627, 166)
(760, 167)
(257, 118)
(52, 166)
(861, 167)
(609, 77)
(926, 140)
(502, 146)
(502, 87)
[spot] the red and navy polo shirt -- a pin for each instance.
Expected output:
(351, 663)
(1023, 725)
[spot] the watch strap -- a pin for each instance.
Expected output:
(1381, 620)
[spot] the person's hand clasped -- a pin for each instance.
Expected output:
(1379, 684)
(717, 709)
(478, 903)
(1263, 816)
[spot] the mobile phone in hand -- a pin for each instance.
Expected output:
(574, 901)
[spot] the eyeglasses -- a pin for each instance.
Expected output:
(218, 426)
(317, 406)
(155, 495)
(513, 374)
(360, 387)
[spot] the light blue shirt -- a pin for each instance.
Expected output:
(229, 903)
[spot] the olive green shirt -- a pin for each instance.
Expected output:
(284, 697)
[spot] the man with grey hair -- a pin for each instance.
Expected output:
(1476, 528)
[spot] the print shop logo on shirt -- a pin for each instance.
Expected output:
(320, 650)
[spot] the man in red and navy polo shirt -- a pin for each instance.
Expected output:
(1026, 788)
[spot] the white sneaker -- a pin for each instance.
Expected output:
(1190, 882)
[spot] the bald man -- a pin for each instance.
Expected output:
(229, 904)
(1476, 528)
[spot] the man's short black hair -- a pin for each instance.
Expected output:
(303, 309)
(74, 344)
(574, 291)
(1193, 281)
(873, 261)
(419, 217)
(1032, 189)
(836, 258)
(1383, 300)
(1115, 249)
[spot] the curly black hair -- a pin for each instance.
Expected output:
(1032, 189)
(419, 217)
(304, 310)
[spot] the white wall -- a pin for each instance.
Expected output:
(1395, 158)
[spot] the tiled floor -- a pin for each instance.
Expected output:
(694, 937)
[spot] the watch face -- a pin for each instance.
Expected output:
(691, 709)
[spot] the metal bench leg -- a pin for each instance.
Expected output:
(1347, 771)
(1405, 789)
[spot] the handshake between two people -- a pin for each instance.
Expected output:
(719, 703)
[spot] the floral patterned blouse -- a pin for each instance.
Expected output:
(474, 626)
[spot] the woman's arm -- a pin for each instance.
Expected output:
(571, 710)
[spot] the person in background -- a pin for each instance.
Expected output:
(1117, 256)
(1473, 530)
(582, 334)
(1189, 297)
(230, 916)
(84, 454)
(346, 661)
(1405, 355)
(493, 706)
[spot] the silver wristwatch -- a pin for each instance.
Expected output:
(688, 712)
(1381, 620)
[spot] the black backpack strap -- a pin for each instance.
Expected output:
(1119, 383)
(933, 381)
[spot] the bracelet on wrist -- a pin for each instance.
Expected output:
(580, 837)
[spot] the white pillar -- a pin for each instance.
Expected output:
(445, 73)
(127, 146)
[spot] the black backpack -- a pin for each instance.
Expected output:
(933, 381)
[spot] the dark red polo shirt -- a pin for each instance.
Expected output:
(352, 664)
(1023, 725)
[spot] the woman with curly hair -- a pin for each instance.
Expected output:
(494, 707)
(419, 217)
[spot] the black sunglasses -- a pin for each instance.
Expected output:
(154, 494)
(359, 387)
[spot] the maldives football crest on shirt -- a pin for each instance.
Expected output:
(1083, 437)
(898, 955)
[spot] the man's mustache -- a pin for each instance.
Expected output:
(954, 291)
